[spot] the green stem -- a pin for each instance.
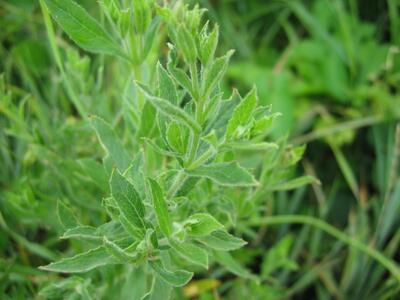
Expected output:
(178, 181)
(389, 264)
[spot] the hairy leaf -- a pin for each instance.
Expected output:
(226, 174)
(82, 28)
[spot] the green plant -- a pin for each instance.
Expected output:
(177, 185)
(163, 183)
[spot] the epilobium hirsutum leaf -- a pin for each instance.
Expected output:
(242, 114)
(175, 278)
(226, 259)
(82, 233)
(209, 45)
(186, 43)
(166, 86)
(160, 206)
(128, 200)
(118, 253)
(82, 28)
(111, 144)
(226, 174)
(222, 241)
(295, 183)
(166, 108)
(202, 224)
(66, 216)
(82, 262)
(214, 74)
(190, 252)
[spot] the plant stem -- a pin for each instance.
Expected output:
(389, 264)
(178, 181)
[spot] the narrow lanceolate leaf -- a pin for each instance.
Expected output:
(296, 183)
(181, 78)
(190, 252)
(160, 206)
(82, 28)
(202, 224)
(82, 262)
(222, 241)
(225, 259)
(128, 200)
(214, 74)
(226, 174)
(175, 278)
(243, 113)
(209, 45)
(82, 233)
(250, 146)
(66, 216)
(166, 86)
(174, 112)
(111, 144)
(159, 290)
(118, 253)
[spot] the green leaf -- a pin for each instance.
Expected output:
(166, 86)
(176, 137)
(159, 290)
(66, 216)
(147, 121)
(82, 232)
(181, 78)
(213, 75)
(128, 200)
(174, 112)
(82, 28)
(242, 114)
(225, 259)
(82, 262)
(186, 43)
(190, 252)
(160, 206)
(226, 174)
(209, 45)
(222, 241)
(202, 224)
(95, 171)
(111, 144)
(295, 183)
(250, 146)
(118, 253)
(175, 278)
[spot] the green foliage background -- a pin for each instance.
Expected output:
(332, 68)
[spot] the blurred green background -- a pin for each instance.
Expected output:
(331, 67)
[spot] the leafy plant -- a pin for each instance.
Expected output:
(131, 170)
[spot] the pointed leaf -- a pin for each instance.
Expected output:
(215, 73)
(66, 216)
(82, 262)
(226, 174)
(202, 224)
(111, 144)
(82, 28)
(128, 200)
(166, 86)
(190, 252)
(222, 241)
(243, 113)
(160, 206)
(175, 278)
(174, 112)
